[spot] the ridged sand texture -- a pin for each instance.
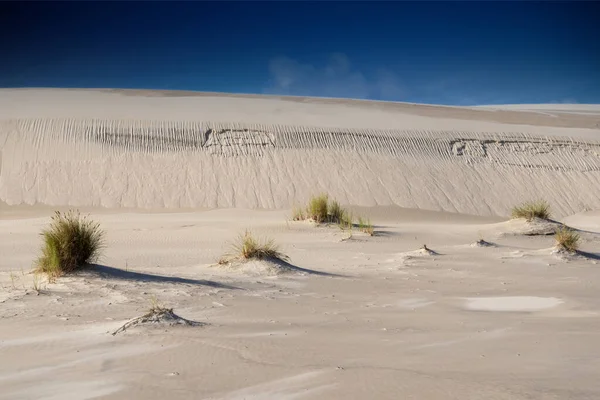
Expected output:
(168, 150)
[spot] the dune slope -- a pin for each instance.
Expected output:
(153, 150)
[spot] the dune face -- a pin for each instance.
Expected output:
(162, 150)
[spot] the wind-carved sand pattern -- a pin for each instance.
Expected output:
(172, 137)
(235, 142)
(507, 148)
(530, 153)
(170, 164)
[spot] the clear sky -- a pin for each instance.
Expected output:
(460, 53)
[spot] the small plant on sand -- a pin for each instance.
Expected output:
(298, 214)
(346, 221)
(13, 277)
(338, 215)
(321, 210)
(567, 239)
(335, 212)
(157, 314)
(247, 247)
(37, 282)
(70, 242)
(535, 209)
(318, 208)
(365, 226)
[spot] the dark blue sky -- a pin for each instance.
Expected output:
(433, 52)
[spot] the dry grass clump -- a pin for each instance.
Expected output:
(535, 209)
(247, 247)
(157, 314)
(567, 239)
(70, 242)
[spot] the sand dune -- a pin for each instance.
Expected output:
(488, 309)
(154, 150)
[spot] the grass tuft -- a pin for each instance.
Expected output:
(70, 242)
(321, 210)
(346, 221)
(247, 247)
(339, 215)
(535, 209)
(567, 239)
(318, 208)
(365, 226)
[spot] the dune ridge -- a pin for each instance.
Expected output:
(96, 157)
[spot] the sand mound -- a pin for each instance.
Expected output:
(266, 267)
(101, 148)
(535, 227)
(408, 258)
(257, 267)
(482, 243)
(158, 316)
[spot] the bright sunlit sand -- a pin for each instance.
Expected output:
(434, 293)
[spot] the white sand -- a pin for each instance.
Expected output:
(350, 317)
(145, 150)
(516, 303)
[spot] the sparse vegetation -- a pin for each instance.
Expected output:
(346, 221)
(37, 282)
(321, 210)
(535, 209)
(157, 314)
(70, 242)
(364, 225)
(12, 279)
(248, 247)
(567, 239)
(298, 214)
(317, 209)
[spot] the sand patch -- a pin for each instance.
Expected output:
(415, 303)
(69, 390)
(294, 387)
(511, 304)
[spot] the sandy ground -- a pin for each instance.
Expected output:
(370, 317)
(351, 316)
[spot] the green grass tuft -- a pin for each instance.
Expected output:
(567, 239)
(339, 215)
(70, 242)
(318, 208)
(535, 209)
(321, 210)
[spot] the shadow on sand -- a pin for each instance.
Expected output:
(105, 271)
(591, 256)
